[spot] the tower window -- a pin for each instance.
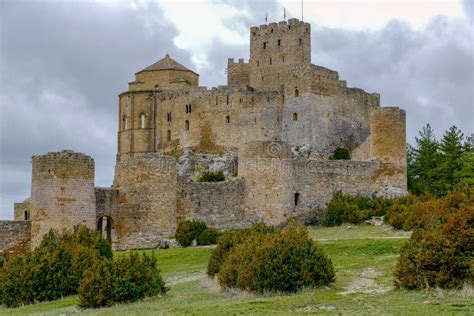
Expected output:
(241, 100)
(254, 33)
(227, 119)
(26, 215)
(190, 108)
(270, 61)
(297, 199)
(295, 116)
(142, 120)
(186, 125)
(301, 41)
(262, 78)
(168, 117)
(279, 43)
(217, 100)
(227, 99)
(264, 45)
(187, 109)
(283, 59)
(258, 63)
(125, 122)
(271, 31)
(297, 93)
(168, 135)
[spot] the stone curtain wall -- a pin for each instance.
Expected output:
(218, 204)
(62, 193)
(15, 236)
(146, 202)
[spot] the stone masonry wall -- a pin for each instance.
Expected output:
(146, 202)
(15, 236)
(62, 193)
(218, 204)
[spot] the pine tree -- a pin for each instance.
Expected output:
(423, 160)
(452, 148)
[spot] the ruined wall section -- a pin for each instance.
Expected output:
(218, 204)
(266, 170)
(316, 180)
(238, 73)
(22, 210)
(62, 193)
(146, 202)
(275, 49)
(388, 143)
(15, 236)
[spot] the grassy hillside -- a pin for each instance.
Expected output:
(363, 256)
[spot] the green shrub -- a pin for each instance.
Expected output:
(285, 261)
(208, 237)
(229, 239)
(96, 286)
(441, 257)
(341, 153)
(188, 231)
(210, 176)
(53, 269)
(127, 279)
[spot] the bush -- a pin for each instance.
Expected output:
(53, 269)
(285, 261)
(229, 239)
(188, 231)
(438, 258)
(341, 153)
(127, 279)
(210, 176)
(208, 237)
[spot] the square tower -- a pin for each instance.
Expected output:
(275, 49)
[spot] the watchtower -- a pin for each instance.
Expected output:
(62, 193)
(277, 48)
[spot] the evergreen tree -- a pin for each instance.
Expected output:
(452, 148)
(423, 161)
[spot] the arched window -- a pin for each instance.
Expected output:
(168, 135)
(26, 215)
(279, 42)
(297, 93)
(142, 120)
(186, 125)
(295, 116)
(227, 119)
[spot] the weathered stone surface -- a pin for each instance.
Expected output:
(15, 236)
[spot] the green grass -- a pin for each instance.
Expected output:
(363, 257)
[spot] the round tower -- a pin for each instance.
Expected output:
(62, 193)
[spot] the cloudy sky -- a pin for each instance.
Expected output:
(63, 63)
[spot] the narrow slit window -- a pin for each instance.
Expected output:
(270, 61)
(186, 125)
(297, 199)
(227, 119)
(295, 116)
(26, 215)
(142, 120)
(279, 43)
(264, 45)
(227, 99)
(125, 122)
(190, 108)
(168, 135)
(301, 41)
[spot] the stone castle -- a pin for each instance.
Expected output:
(272, 130)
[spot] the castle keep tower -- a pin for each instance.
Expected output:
(62, 193)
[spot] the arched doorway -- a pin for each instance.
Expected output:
(105, 225)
